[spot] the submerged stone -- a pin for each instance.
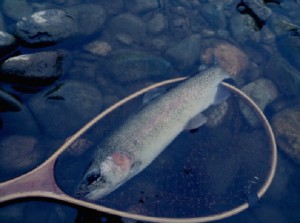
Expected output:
(214, 14)
(12, 213)
(98, 48)
(216, 114)
(21, 122)
(127, 66)
(54, 25)
(46, 26)
(263, 92)
(124, 38)
(130, 24)
(7, 43)
(286, 125)
(185, 53)
(243, 28)
(89, 18)
(157, 23)
(289, 47)
(2, 26)
(257, 9)
(33, 69)
(16, 9)
(142, 6)
(231, 58)
(281, 25)
(9, 102)
(19, 153)
(284, 75)
(64, 109)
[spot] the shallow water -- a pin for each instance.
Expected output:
(199, 174)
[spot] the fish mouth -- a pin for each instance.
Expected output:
(85, 194)
(81, 194)
(81, 191)
(90, 192)
(93, 195)
(94, 192)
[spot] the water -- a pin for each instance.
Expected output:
(203, 173)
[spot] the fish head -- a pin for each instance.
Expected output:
(103, 177)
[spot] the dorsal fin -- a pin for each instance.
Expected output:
(196, 122)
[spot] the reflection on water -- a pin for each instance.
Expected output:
(108, 49)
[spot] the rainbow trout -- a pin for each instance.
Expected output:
(142, 137)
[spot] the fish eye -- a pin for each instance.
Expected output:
(92, 178)
(95, 177)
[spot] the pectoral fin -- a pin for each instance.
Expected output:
(196, 122)
(221, 95)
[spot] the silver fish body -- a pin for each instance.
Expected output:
(147, 133)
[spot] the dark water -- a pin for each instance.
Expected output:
(199, 174)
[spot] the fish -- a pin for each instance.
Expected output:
(145, 134)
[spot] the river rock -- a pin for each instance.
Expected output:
(2, 26)
(263, 92)
(142, 6)
(185, 53)
(213, 12)
(243, 28)
(7, 43)
(125, 39)
(268, 36)
(98, 48)
(157, 23)
(66, 2)
(130, 24)
(48, 212)
(289, 47)
(286, 125)
(159, 44)
(8, 102)
(48, 26)
(16, 9)
(216, 114)
(266, 212)
(257, 9)
(281, 25)
(20, 123)
(19, 153)
(89, 17)
(127, 66)
(281, 184)
(113, 7)
(54, 25)
(232, 59)
(65, 108)
(284, 75)
(33, 69)
(13, 213)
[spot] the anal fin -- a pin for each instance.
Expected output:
(195, 123)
